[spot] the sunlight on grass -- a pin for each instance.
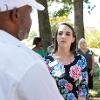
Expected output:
(93, 92)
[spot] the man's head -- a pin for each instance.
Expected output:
(15, 16)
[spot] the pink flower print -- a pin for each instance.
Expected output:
(69, 86)
(75, 72)
(80, 79)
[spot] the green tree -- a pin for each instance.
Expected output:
(93, 39)
(67, 6)
(78, 6)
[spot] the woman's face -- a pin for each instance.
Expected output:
(65, 36)
(83, 45)
(39, 44)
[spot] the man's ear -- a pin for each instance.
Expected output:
(15, 15)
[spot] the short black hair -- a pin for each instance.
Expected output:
(36, 40)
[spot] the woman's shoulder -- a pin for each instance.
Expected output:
(90, 52)
(35, 49)
(51, 61)
(81, 61)
(79, 56)
(49, 57)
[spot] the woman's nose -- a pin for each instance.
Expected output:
(63, 35)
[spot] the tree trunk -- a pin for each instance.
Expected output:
(44, 25)
(78, 18)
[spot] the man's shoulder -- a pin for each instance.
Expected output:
(18, 61)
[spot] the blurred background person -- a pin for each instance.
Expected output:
(39, 47)
(89, 55)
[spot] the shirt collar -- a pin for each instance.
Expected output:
(7, 38)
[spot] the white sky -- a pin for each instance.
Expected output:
(90, 20)
(93, 19)
(34, 17)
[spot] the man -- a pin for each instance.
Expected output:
(23, 75)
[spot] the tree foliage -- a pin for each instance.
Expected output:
(60, 7)
(64, 10)
(93, 39)
(55, 20)
(67, 7)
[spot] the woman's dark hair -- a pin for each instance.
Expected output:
(36, 40)
(73, 45)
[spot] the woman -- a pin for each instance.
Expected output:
(89, 55)
(39, 47)
(67, 67)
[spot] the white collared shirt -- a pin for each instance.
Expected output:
(23, 74)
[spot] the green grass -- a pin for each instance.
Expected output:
(96, 83)
(95, 92)
(96, 86)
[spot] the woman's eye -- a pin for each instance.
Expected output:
(67, 34)
(60, 33)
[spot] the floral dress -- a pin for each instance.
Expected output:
(71, 79)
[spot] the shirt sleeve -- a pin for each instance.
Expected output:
(37, 84)
(83, 87)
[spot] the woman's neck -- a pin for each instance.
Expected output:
(84, 50)
(63, 52)
(64, 56)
